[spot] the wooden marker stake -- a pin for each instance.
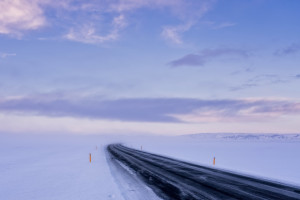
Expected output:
(214, 160)
(90, 157)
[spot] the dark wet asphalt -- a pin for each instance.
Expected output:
(175, 179)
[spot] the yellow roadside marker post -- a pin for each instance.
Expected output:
(214, 160)
(90, 157)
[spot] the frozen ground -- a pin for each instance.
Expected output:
(57, 167)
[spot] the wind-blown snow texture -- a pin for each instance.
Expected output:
(57, 167)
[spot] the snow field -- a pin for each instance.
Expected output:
(37, 168)
(274, 160)
(57, 167)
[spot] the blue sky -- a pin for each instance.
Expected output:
(149, 66)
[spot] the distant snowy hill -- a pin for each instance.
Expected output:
(245, 137)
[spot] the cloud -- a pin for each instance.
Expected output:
(174, 110)
(129, 5)
(173, 33)
(298, 76)
(292, 49)
(17, 16)
(240, 111)
(243, 86)
(264, 79)
(88, 33)
(119, 21)
(187, 12)
(189, 15)
(201, 58)
(4, 55)
(94, 21)
(218, 25)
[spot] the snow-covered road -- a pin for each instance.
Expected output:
(174, 179)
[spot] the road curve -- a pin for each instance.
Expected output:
(175, 179)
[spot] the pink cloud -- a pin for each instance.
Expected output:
(20, 15)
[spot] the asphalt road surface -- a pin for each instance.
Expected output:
(175, 179)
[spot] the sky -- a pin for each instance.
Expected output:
(149, 66)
